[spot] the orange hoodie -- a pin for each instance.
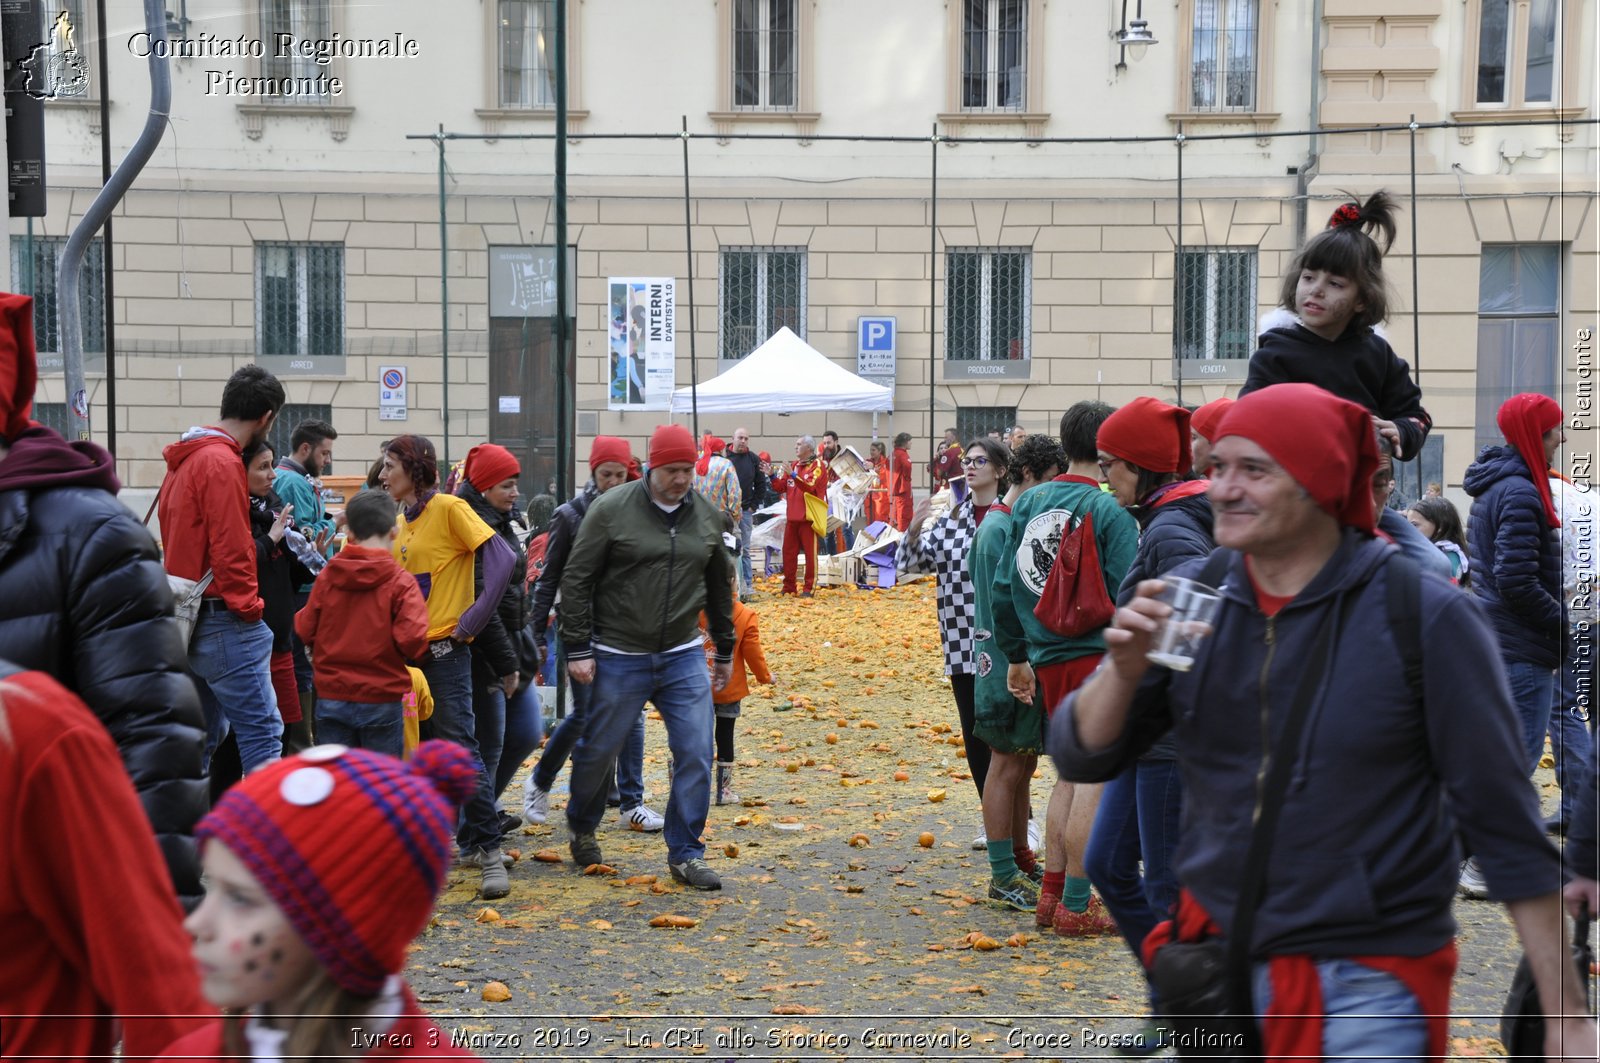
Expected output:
(364, 620)
(746, 654)
(205, 519)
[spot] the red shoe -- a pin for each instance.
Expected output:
(1093, 921)
(1045, 911)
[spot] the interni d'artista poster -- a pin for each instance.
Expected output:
(641, 338)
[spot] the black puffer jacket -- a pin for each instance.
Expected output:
(84, 599)
(495, 651)
(564, 525)
(278, 573)
(1171, 532)
(1516, 558)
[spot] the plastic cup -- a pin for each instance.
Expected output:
(1194, 607)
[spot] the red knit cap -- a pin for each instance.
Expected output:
(1149, 433)
(18, 364)
(610, 448)
(351, 845)
(489, 464)
(1324, 442)
(1206, 419)
(1523, 420)
(671, 444)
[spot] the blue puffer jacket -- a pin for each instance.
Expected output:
(1170, 533)
(1516, 558)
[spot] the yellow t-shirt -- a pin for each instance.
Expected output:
(418, 706)
(438, 550)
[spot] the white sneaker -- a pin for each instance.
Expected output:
(981, 841)
(1033, 835)
(1473, 885)
(642, 818)
(535, 802)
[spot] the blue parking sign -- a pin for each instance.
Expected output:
(875, 347)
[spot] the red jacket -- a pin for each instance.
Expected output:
(366, 617)
(205, 518)
(413, 1036)
(803, 478)
(77, 943)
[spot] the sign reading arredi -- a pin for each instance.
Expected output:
(875, 349)
(392, 393)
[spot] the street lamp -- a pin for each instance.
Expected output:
(1134, 36)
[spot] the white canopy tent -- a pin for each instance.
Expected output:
(785, 375)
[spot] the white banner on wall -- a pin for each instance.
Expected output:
(642, 343)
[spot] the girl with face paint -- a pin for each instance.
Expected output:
(320, 870)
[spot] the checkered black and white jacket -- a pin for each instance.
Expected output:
(942, 549)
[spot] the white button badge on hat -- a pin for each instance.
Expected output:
(318, 754)
(307, 786)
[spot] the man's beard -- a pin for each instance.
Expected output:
(312, 468)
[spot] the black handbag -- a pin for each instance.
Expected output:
(1202, 988)
(1522, 1021)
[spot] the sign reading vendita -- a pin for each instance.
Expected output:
(642, 343)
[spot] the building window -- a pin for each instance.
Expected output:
(975, 422)
(296, 75)
(527, 52)
(765, 54)
(1224, 56)
(300, 300)
(1214, 291)
(988, 304)
(1517, 67)
(36, 274)
(994, 55)
(1519, 324)
(288, 418)
(56, 68)
(760, 289)
(52, 415)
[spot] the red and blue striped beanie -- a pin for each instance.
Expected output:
(351, 845)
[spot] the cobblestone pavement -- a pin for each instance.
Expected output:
(817, 947)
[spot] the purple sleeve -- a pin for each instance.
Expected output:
(498, 561)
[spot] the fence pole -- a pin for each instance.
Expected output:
(444, 301)
(107, 274)
(1416, 311)
(1180, 293)
(688, 248)
(933, 299)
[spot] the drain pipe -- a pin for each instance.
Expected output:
(1302, 176)
(155, 23)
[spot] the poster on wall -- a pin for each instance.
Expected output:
(641, 343)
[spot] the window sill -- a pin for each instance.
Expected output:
(1465, 133)
(503, 119)
(804, 122)
(1032, 122)
(86, 105)
(1262, 120)
(255, 115)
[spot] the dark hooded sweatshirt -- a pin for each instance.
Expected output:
(1516, 558)
(83, 598)
(1359, 367)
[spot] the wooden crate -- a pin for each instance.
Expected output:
(838, 570)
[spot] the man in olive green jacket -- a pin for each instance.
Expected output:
(648, 558)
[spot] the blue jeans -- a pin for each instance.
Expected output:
(679, 686)
(1414, 544)
(630, 762)
(1138, 816)
(524, 728)
(302, 658)
(450, 681)
(1532, 688)
(746, 526)
(1367, 1014)
(1571, 719)
(489, 721)
(231, 662)
(378, 726)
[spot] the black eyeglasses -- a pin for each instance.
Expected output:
(1105, 466)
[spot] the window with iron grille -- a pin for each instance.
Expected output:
(35, 273)
(1224, 55)
(1214, 291)
(300, 299)
(975, 422)
(292, 414)
(761, 289)
(1519, 328)
(82, 36)
(52, 415)
(765, 45)
(988, 302)
(994, 55)
(303, 21)
(527, 51)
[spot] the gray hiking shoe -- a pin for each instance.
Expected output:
(696, 873)
(496, 881)
(585, 850)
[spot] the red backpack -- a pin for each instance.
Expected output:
(1074, 600)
